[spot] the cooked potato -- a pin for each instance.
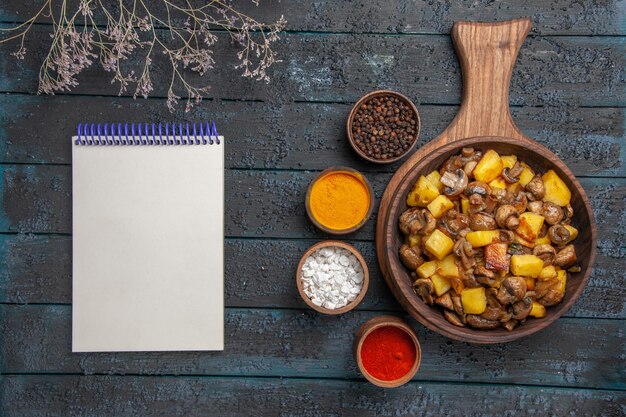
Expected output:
(508, 161)
(537, 310)
(543, 240)
(465, 205)
(439, 206)
(427, 269)
(498, 183)
(482, 238)
(474, 300)
(526, 265)
(573, 232)
(496, 257)
(489, 167)
(513, 188)
(518, 239)
(556, 190)
(530, 283)
(526, 176)
(414, 240)
(529, 226)
(439, 245)
(423, 193)
(442, 284)
(547, 272)
(434, 178)
(562, 277)
(448, 267)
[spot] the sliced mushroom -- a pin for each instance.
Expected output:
(568, 213)
(476, 201)
(453, 318)
(455, 183)
(548, 293)
(425, 289)
(546, 253)
(484, 272)
(517, 249)
(479, 188)
(536, 188)
(502, 196)
(543, 286)
(410, 221)
(482, 221)
(492, 313)
(566, 257)
(507, 217)
(415, 220)
(457, 304)
(411, 256)
(511, 175)
(552, 297)
(452, 164)
(463, 249)
(506, 236)
(490, 204)
(552, 213)
(479, 322)
(510, 324)
(559, 235)
(469, 167)
(469, 281)
(453, 222)
(535, 207)
(445, 301)
(520, 202)
(492, 298)
(521, 309)
(512, 290)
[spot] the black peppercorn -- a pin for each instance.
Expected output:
(384, 127)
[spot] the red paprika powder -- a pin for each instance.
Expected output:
(388, 353)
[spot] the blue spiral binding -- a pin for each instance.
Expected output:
(116, 134)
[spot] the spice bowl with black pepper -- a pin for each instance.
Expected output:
(387, 351)
(332, 277)
(383, 126)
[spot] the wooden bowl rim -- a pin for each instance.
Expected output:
(354, 173)
(376, 323)
(351, 117)
(350, 305)
(484, 336)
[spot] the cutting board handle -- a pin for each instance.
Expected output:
(487, 53)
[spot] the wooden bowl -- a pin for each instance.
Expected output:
(487, 53)
(354, 173)
(373, 324)
(358, 104)
(366, 277)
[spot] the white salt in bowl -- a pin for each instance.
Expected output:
(329, 244)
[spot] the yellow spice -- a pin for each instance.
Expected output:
(339, 200)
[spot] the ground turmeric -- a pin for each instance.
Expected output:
(339, 200)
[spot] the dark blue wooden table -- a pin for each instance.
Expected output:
(568, 92)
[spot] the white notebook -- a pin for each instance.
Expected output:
(148, 236)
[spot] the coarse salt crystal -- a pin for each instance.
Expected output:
(332, 277)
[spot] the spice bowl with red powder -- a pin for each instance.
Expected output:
(387, 351)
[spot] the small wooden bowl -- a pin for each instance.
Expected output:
(376, 323)
(352, 250)
(358, 104)
(354, 173)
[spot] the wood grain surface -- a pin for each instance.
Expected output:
(567, 92)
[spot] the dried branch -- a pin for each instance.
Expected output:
(113, 32)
